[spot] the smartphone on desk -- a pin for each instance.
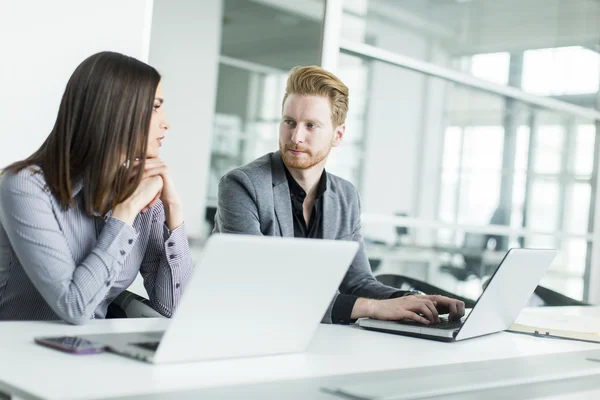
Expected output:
(71, 344)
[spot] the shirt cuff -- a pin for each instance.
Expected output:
(117, 239)
(176, 250)
(341, 312)
(176, 244)
(402, 293)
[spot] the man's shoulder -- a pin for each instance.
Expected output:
(255, 171)
(256, 167)
(341, 185)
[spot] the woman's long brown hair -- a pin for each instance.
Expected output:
(102, 126)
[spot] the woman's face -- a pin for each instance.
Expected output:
(158, 125)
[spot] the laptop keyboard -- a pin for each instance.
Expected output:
(444, 323)
(152, 346)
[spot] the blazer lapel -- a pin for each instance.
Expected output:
(328, 219)
(281, 197)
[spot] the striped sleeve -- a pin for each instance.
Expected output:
(73, 291)
(167, 264)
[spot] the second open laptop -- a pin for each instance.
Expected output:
(497, 308)
(248, 296)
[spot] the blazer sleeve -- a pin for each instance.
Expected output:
(359, 280)
(237, 211)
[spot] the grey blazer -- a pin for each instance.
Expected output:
(255, 199)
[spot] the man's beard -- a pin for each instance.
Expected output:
(304, 162)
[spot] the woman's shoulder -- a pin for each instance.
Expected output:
(28, 180)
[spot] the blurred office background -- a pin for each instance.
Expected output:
(472, 125)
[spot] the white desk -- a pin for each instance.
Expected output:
(31, 371)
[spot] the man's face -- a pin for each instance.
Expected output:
(306, 133)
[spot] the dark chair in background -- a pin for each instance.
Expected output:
(209, 216)
(552, 298)
(401, 231)
(472, 250)
(400, 281)
(549, 297)
(473, 247)
(130, 305)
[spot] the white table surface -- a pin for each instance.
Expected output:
(31, 371)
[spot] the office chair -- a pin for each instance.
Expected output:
(209, 217)
(553, 298)
(401, 231)
(549, 297)
(130, 305)
(474, 244)
(400, 281)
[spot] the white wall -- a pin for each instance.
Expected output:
(184, 47)
(41, 44)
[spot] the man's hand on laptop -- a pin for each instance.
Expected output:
(419, 308)
(446, 305)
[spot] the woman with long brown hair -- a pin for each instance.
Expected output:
(94, 205)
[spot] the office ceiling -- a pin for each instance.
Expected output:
(477, 26)
(271, 35)
(283, 33)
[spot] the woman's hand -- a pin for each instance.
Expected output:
(147, 192)
(155, 167)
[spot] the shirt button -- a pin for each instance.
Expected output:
(170, 244)
(130, 241)
(172, 256)
(177, 285)
(122, 252)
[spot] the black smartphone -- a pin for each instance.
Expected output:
(71, 344)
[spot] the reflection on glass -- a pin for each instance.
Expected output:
(483, 149)
(493, 67)
(542, 210)
(560, 71)
(583, 161)
(577, 208)
(576, 252)
(541, 242)
(448, 193)
(549, 149)
(472, 36)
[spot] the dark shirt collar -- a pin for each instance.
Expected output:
(296, 189)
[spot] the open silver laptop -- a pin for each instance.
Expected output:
(499, 305)
(248, 296)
